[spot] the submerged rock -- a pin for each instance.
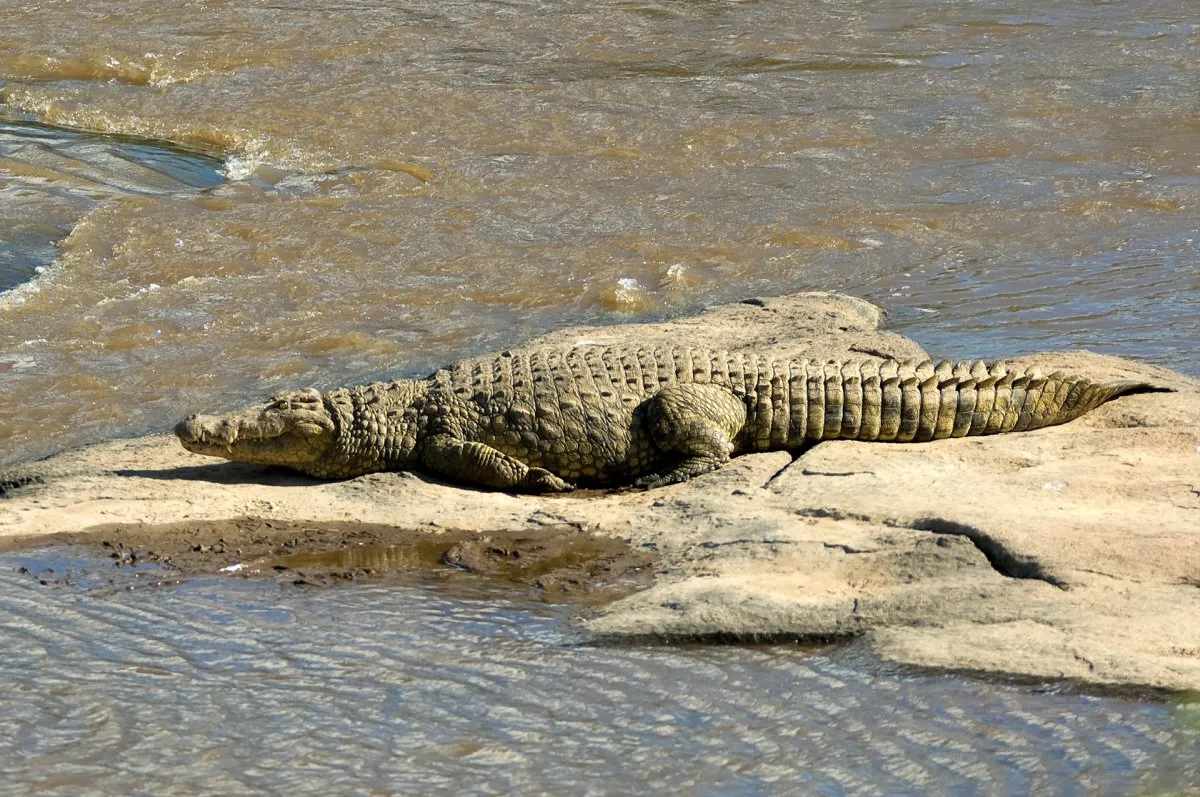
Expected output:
(1068, 552)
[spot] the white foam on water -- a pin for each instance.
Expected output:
(22, 292)
(141, 290)
(629, 292)
(241, 167)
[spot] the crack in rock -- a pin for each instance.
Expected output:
(871, 350)
(834, 514)
(712, 544)
(780, 472)
(846, 549)
(1002, 560)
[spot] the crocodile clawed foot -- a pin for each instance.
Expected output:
(658, 480)
(686, 469)
(540, 480)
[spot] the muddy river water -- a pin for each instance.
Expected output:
(417, 181)
(198, 208)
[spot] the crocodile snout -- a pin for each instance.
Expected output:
(202, 429)
(186, 429)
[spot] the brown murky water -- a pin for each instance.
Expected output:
(410, 182)
(51, 177)
(417, 181)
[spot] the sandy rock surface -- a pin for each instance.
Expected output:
(1068, 552)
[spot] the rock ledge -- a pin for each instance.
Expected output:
(1069, 552)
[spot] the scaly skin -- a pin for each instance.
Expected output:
(545, 421)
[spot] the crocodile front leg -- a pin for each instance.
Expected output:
(481, 465)
(693, 425)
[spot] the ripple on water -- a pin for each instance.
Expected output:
(52, 176)
(1143, 304)
(236, 686)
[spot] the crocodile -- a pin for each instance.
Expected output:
(554, 418)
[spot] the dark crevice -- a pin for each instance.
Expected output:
(846, 549)
(808, 472)
(741, 638)
(779, 472)
(1002, 560)
(711, 544)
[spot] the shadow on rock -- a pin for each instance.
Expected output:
(224, 473)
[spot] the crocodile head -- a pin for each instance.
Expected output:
(292, 430)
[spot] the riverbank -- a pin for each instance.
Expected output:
(555, 565)
(1071, 552)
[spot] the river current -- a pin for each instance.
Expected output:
(199, 208)
(413, 182)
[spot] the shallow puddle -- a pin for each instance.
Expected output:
(239, 686)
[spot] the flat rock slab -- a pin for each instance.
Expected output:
(1069, 552)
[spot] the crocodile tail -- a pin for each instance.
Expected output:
(998, 399)
(1093, 394)
(913, 401)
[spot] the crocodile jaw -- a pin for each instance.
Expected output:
(291, 430)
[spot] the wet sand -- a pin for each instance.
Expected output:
(562, 565)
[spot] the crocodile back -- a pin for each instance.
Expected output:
(541, 405)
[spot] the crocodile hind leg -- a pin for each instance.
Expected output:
(479, 464)
(694, 426)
